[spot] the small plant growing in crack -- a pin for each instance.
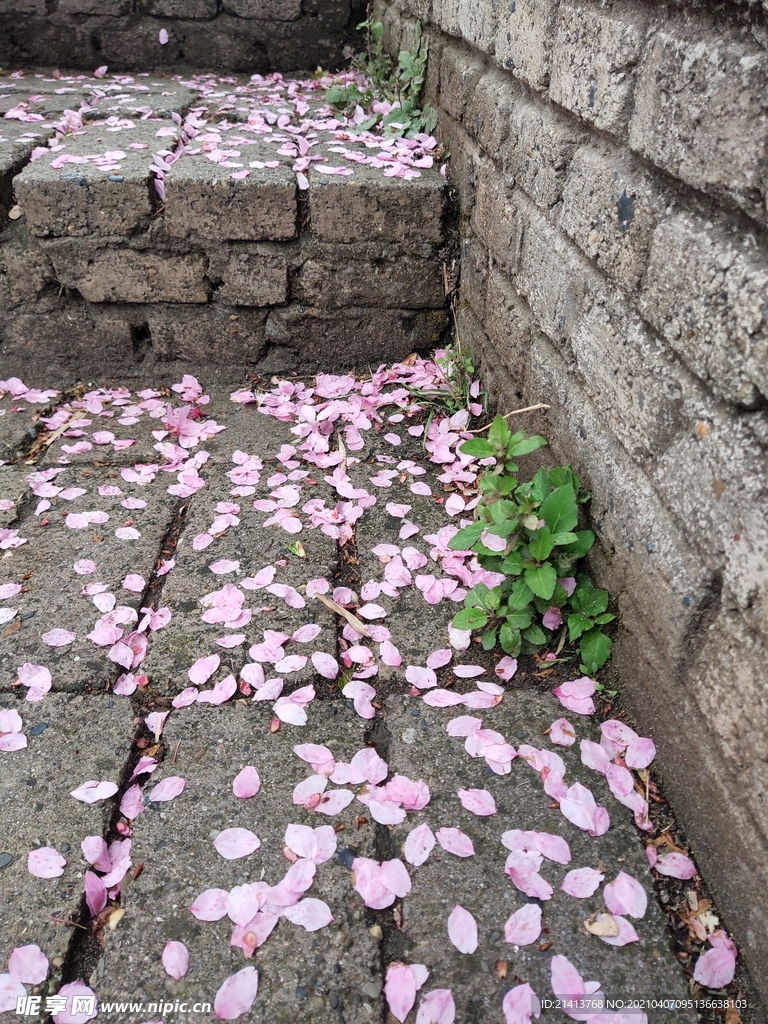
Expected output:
(528, 533)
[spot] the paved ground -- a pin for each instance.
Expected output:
(113, 666)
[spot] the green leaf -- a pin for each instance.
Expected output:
(588, 599)
(499, 435)
(336, 95)
(510, 640)
(535, 635)
(540, 486)
(519, 620)
(578, 624)
(492, 599)
(583, 543)
(469, 618)
(559, 511)
(541, 580)
(503, 512)
(520, 595)
(489, 639)
(541, 543)
(526, 445)
(595, 649)
(564, 475)
(475, 598)
(465, 538)
(512, 564)
(605, 617)
(561, 539)
(477, 447)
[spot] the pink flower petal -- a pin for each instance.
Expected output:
(210, 905)
(640, 752)
(562, 733)
(625, 895)
(132, 803)
(223, 566)
(400, 989)
(45, 863)
(168, 789)
(462, 930)
(626, 934)
(675, 865)
(576, 695)
(524, 926)
(477, 801)
(418, 845)
(582, 882)
(28, 964)
(91, 792)
(437, 1006)
(234, 843)
(203, 669)
(310, 913)
(237, 994)
(715, 968)
(454, 841)
(246, 783)
(521, 1004)
(175, 959)
(95, 893)
(325, 665)
(69, 991)
(58, 637)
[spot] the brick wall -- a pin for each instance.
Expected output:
(236, 35)
(611, 162)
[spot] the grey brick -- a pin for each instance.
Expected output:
(705, 291)
(394, 281)
(248, 278)
(538, 151)
(108, 274)
(111, 8)
(524, 40)
(445, 14)
(594, 53)
(79, 199)
(367, 207)
(632, 379)
(553, 276)
(225, 335)
(701, 109)
(475, 265)
(510, 325)
(460, 73)
(478, 21)
(489, 109)
(179, 8)
(266, 10)
(496, 217)
(647, 557)
(611, 204)
(202, 200)
(464, 162)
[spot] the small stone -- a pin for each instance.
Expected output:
(116, 177)
(5, 860)
(38, 729)
(301, 995)
(14, 213)
(495, 937)
(334, 1002)
(371, 989)
(65, 848)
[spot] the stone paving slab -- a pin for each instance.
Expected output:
(50, 599)
(96, 97)
(302, 976)
(65, 749)
(80, 199)
(419, 747)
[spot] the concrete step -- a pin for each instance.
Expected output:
(128, 202)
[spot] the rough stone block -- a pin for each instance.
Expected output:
(489, 109)
(524, 40)
(509, 325)
(705, 292)
(463, 165)
(539, 149)
(348, 337)
(595, 50)
(22, 7)
(28, 272)
(266, 10)
(225, 335)
(203, 201)
(632, 378)
(611, 204)
(475, 263)
(248, 278)
(107, 274)
(478, 22)
(501, 387)
(647, 555)
(701, 109)
(79, 199)
(107, 8)
(496, 218)
(368, 207)
(553, 276)
(180, 8)
(445, 14)
(460, 72)
(394, 281)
